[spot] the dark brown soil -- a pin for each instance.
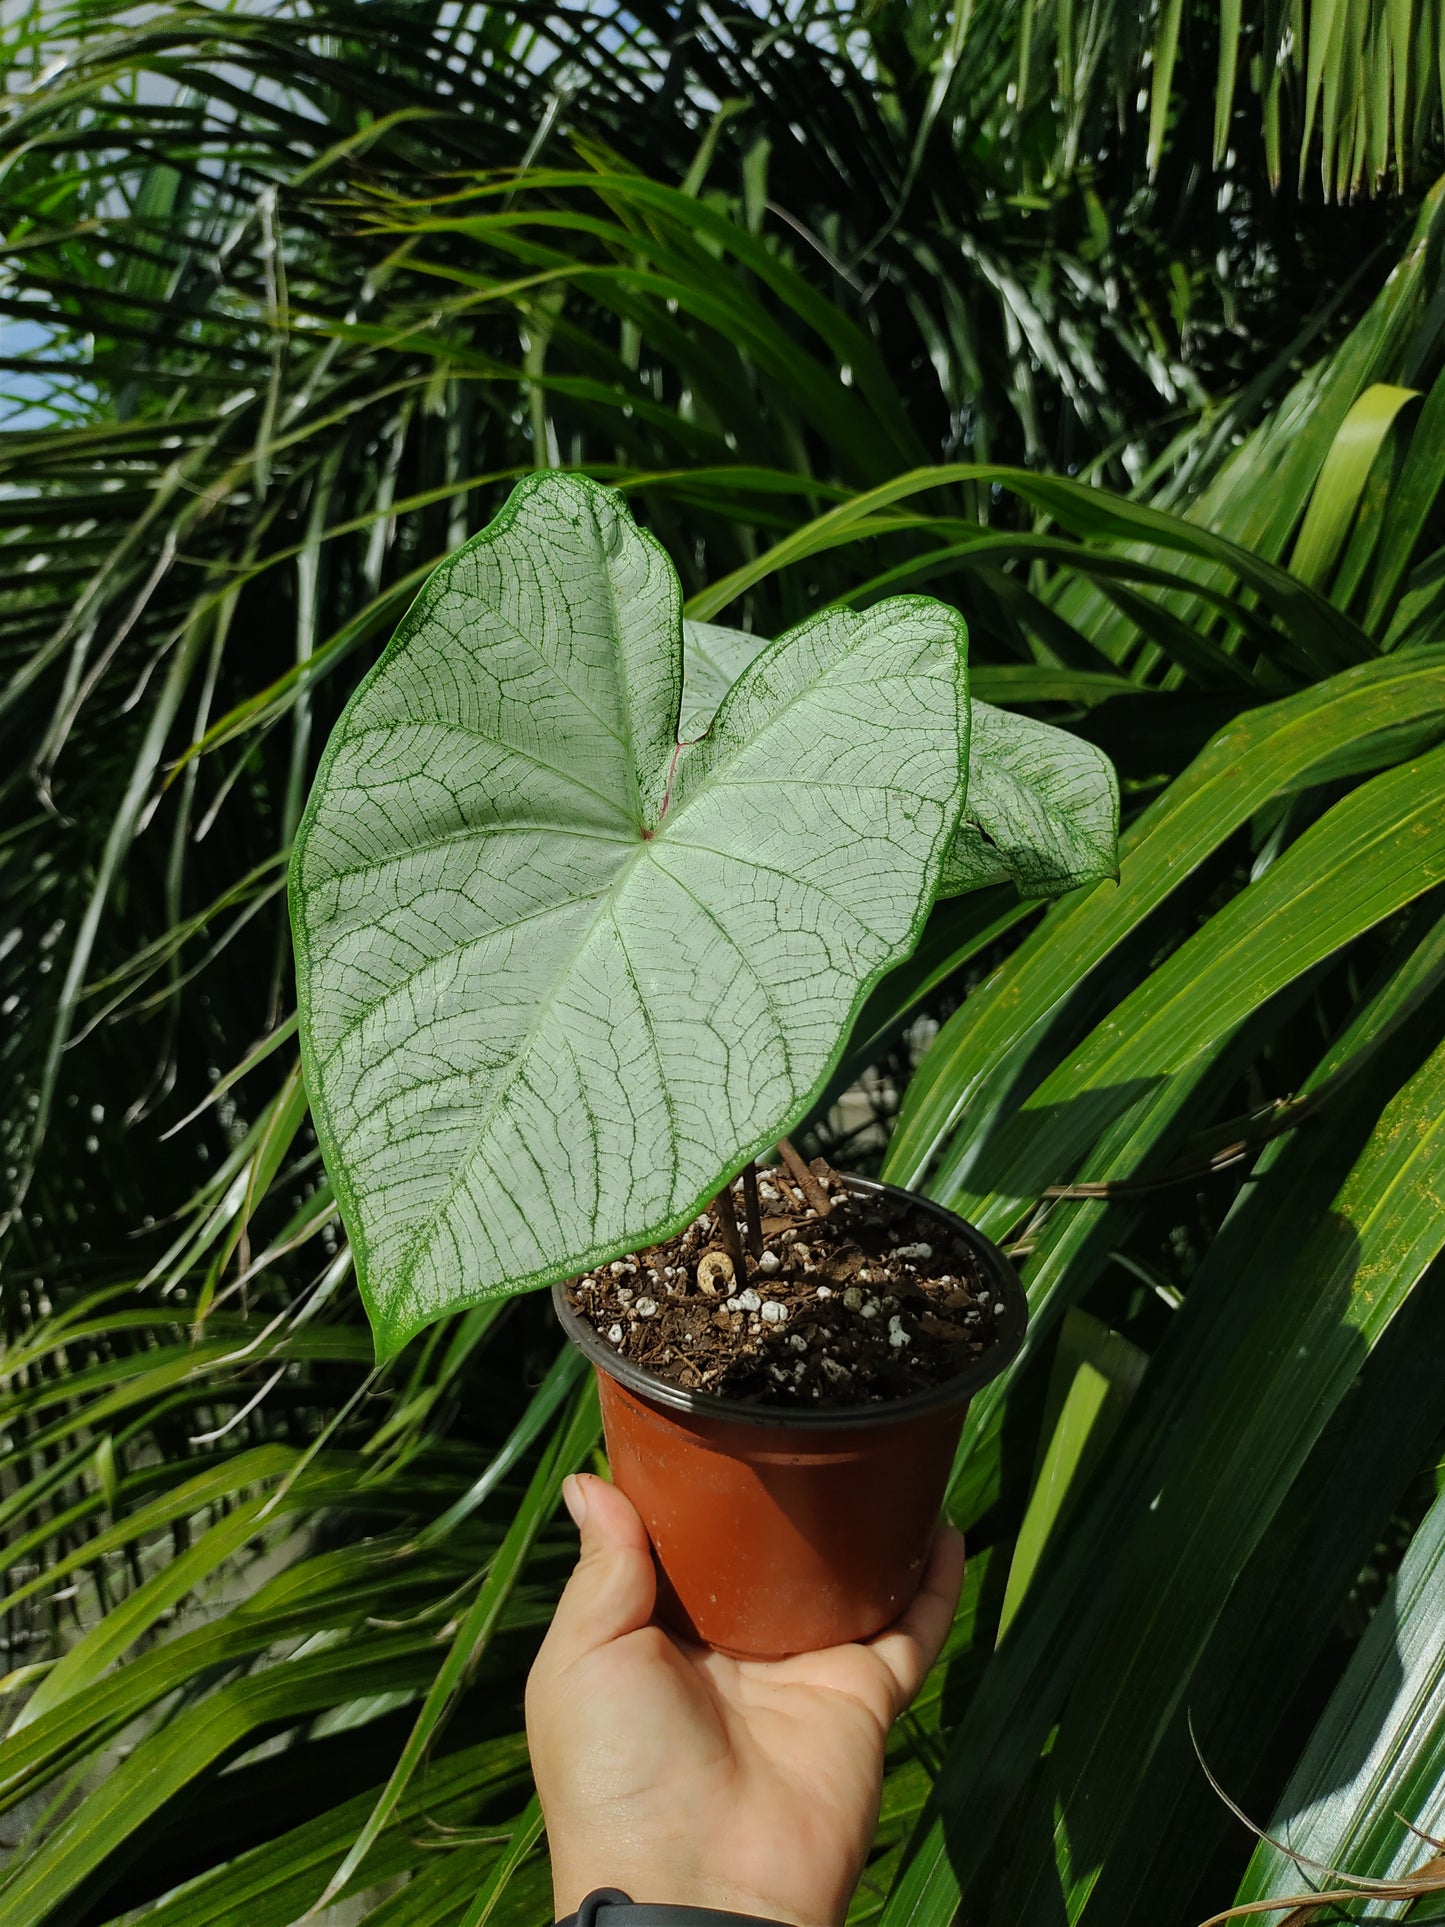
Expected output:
(873, 1301)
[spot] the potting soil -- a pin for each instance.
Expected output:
(874, 1300)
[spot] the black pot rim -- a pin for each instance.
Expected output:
(954, 1391)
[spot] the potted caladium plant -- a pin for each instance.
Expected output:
(585, 902)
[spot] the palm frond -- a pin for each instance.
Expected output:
(845, 302)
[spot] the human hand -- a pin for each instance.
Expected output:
(686, 1778)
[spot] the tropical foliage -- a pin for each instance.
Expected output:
(838, 301)
(567, 954)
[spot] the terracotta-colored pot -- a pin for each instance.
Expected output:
(782, 1531)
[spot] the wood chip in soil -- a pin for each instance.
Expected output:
(874, 1301)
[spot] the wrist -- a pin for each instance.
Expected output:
(648, 1884)
(616, 1907)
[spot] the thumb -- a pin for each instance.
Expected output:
(614, 1586)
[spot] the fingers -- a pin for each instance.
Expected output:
(910, 1647)
(614, 1586)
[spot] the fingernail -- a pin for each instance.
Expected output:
(574, 1497)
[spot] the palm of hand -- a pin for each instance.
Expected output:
(680, 1775)
(775, 1766)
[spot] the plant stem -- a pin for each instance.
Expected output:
(728, 1222)
(811, 1189)
(752, 1210)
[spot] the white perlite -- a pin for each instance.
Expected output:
(614, 1335)
(646, 1308)
(773, 1313)
(769, 1262)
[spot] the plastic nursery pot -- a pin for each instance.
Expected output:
(782, 1531)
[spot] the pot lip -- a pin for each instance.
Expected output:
(956, 1391)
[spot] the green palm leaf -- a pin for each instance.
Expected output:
(1365, 1798)
(283, 322)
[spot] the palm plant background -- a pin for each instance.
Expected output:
(1006, 303)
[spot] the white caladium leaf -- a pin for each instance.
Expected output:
(1042, 807)
(559, 976)
(712, 660)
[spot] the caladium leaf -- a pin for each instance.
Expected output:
(1042, 808)
(559, 977)
(712, 660)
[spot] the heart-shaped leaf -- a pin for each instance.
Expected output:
(560, 977)
(1042, 808)
(712, 660)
